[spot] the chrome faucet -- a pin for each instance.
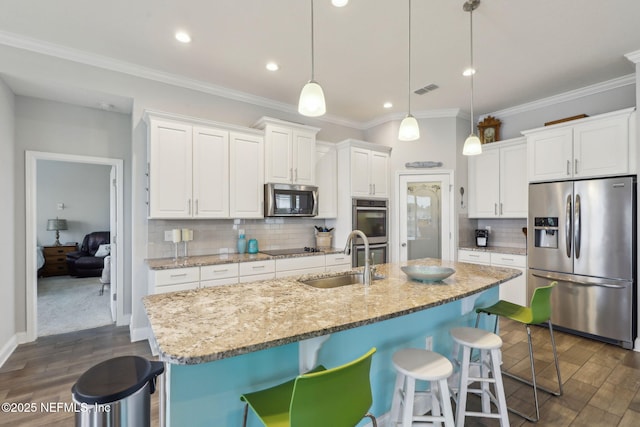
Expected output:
(367, 268)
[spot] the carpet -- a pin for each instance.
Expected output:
(67, 304)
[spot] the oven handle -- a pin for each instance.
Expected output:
(370, 209)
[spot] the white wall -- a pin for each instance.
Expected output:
(7, 249)
(63, 128)
(84, 191)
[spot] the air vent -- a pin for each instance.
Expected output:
(427, 88)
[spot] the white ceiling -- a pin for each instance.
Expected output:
(524, 50)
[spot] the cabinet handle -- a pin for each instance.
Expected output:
(568, 167)
(221, 271)
(371, 189)
(255, 267)
(374, 189)
(178, 275)
(189, 206)
(500, 208)
(474, 256)
(495, 209)
(290, 174)
(197, 206)
(575, 168)
(339, 259)
(296, 178)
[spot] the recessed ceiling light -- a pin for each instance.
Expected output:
(387, 105)
(468, 72)
(339, 3)
(272, 66)
(183, 37)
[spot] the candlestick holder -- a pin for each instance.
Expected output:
(186, 249)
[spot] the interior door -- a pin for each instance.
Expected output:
(113, 225)
(424, 217)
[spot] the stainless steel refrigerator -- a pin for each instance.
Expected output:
(582, 234)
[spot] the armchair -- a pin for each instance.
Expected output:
(84, 263)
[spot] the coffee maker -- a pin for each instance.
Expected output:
(482, 238)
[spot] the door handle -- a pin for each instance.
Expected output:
(575, 168)
(568, 167)
(577, 228)
(567, 227)
(189, 206)
(500, 208)
(197, 206)
(296, 172)
(495, 209)
(568, 279)
(404, 245)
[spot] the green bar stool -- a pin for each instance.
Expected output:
(539, 312)
(337, 397)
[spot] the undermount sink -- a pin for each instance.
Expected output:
(337, 281)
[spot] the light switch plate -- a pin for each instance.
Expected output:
(168, 236)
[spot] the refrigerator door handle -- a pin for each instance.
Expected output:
(570, 279)
(577, 228)
(567, 227)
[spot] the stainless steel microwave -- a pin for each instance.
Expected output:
(290, 200)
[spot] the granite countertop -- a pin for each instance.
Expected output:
(496, 249)
(202, 260)
(207, 324)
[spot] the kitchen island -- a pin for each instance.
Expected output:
(223, 341)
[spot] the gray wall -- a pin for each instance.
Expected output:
(84, 190)
(63, 128)
(11, 234)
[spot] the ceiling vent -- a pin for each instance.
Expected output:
(427, 88)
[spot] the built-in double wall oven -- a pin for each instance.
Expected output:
(371, 216)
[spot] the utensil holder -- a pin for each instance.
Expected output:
(323, 240)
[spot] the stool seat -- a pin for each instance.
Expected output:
(422, 364)
(476, 338)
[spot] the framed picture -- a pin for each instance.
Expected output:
(489, 130)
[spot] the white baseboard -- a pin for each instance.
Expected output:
(139, 334)
(125, 321)
(8, 348)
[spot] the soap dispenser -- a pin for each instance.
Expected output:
(242, 243)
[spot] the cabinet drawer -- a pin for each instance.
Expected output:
(509, 260)
(219, 282)
(257, 267)
(475, 257)
(299, 263)
(175, 276)
(257, 277)
(292, 273)
(337, 259)
(53, 251)
(338, 267)
(163, 289)
(219, 271)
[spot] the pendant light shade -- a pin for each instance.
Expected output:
(409, 129)
(311, 101)
(472, 145)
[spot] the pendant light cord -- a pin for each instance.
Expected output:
(312, 46)
(473, 70)
(409, 79)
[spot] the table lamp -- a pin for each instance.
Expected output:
(57, 225)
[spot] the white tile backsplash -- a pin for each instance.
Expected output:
(212, 236)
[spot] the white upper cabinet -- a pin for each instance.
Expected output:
(190, 167)
(246, 175)
(366, 168)
(289, 152)
(327, 179)
(602, 145)
(498, 180)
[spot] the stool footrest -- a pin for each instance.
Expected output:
(482, 414)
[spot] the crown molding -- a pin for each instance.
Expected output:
(633, 56)
(571, 95)
(112, 64)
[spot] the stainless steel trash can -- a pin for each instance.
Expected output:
(116, 393)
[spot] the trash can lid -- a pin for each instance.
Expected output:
(115, 379)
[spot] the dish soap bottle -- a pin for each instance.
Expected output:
(242, 243)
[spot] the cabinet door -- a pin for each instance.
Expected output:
(304, 155)
(246, 184)
(601, 147)
(278, 155)
(360, 185)
(327, 181)
(550, 154)
(513, 182)
(474, 257)
(379, 174)
(210, 173)
(170, 170)
(484, 184)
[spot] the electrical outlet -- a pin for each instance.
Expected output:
(428, 343)
(168, 236)
(488, 228)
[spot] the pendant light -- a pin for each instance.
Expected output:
(311, 101)
(472, 145)
(409, 130)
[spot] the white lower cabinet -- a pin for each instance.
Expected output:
(175, 279)
(287, 267)
(219, 274)
(514, 290)
(337, 262)
(257, 270)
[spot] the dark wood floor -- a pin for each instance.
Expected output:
(602, 382)
(45, 370)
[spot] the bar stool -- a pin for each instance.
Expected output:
(417, 364)
(489, 345)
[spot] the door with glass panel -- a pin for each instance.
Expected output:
(424, 216)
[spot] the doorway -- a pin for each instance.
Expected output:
(425, 215)
(116, 216)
